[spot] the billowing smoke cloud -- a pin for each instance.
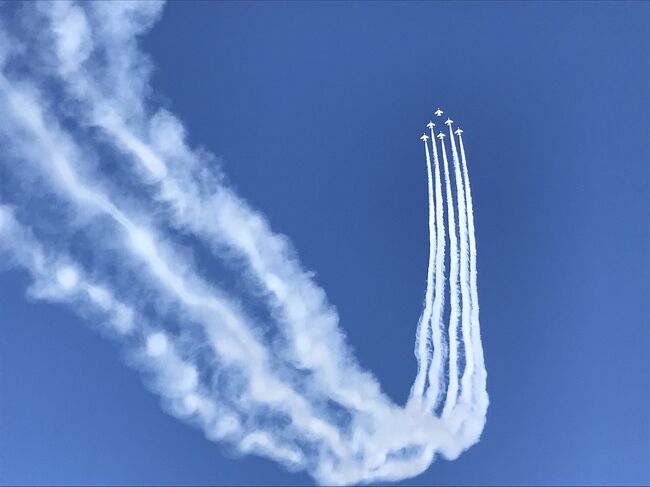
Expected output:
(118, 189)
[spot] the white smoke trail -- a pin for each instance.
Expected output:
(263, 387)
(452, 389)
(220, 216)
(231, 340)
(101, 70)
(477, 348)
(58, 278)
(421, 349)
(436, 379)
(463, 274)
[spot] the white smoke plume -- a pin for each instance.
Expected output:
(304, 400)
(435, 376)
(454, 312)
(424, 326)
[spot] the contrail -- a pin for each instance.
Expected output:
(452, 389)
(481, 373)
(198, 203)
(464, 274)
(237, 344)
(58, 278)
(334, 420)
(264, 388)
(223, 219)
(436, 381)
(421, 348)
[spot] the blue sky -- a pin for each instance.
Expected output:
(315, 110)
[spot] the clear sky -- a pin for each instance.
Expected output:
(316, 110)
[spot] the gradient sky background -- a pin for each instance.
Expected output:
(316, 110)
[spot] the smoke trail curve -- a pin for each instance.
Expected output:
(105, 81)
